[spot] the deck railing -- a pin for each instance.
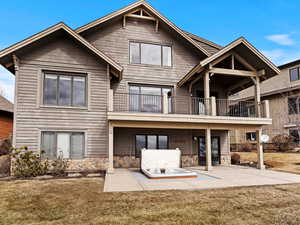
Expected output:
(189, 105)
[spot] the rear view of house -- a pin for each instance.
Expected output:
(6, 118)
(132, 80)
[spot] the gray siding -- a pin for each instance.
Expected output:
(61, 55)
(113, 39)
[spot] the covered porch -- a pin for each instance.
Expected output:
(201, 144)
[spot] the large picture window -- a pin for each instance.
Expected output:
(151, 141)
(151, 54)
(68, 145)
(148, 98)
(64, 89)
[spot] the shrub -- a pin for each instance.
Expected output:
(59, 167)
(26, 163)
(283, 142)
(245, 147)
(235, 159)
(5, 146)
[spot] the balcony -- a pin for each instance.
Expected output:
(142, 107)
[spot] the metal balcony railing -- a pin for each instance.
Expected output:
(189, 105)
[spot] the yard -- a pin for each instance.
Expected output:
(286, 162)
(81, 201)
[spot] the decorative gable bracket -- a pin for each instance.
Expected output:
(140, 14)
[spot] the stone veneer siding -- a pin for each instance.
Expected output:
(186, 161)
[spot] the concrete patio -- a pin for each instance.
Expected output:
(123, 180)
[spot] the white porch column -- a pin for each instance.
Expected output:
(208, 149)
(165, 104)
(259, 147)
(257, 97)
(206, 93)
(110, 148)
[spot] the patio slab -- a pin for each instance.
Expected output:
(219, 177)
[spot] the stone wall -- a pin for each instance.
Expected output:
(88, 164)
(126, 162)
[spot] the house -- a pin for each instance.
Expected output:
(131, 80)
(282, 92)
(6, 118)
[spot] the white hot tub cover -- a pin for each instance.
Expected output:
(160, 158)
(153, 160)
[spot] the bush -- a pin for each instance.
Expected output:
(5, 146)
(246, 147)
(59, 167)
(235, 159)
(26, 163)
(283, 142)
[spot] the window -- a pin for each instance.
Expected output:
(295, 134)
(294, 74)
(251, 136)
(151, 54)
(293, 105)
(64, 89)
(68, 145)
(148, 99)
(150, 142)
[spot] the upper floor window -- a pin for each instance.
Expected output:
(64, 89)
(294, 74)
(151, 54)
(294, 105)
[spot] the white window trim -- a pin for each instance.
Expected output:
(84, 131)
(40, 89)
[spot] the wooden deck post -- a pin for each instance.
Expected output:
(213, 106)
(110, 148)
(165, 104)
(208, 149)
(259, 147)
(206, 93)
(110, 100)
(257, 97)
(266, 109)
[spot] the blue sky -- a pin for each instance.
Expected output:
(272, 26)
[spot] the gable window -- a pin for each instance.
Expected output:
(68, 145)
(64, 89)
(151, 54)
(294, 105)
(294, 74)
(150, 142)
(148, 98)
(251, 136)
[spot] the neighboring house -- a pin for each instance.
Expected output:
(6, 118)
(283, 94)
(131, 80)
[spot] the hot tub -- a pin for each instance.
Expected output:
(163, 164)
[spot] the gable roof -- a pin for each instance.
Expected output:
(60, 26)
(209, 46)
(6, 105)
(143, 3)
(273, 70)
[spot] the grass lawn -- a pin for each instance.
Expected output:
(81, 201)
(287, 162)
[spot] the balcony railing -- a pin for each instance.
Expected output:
(146, 103)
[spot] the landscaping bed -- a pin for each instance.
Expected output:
(279, 161)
